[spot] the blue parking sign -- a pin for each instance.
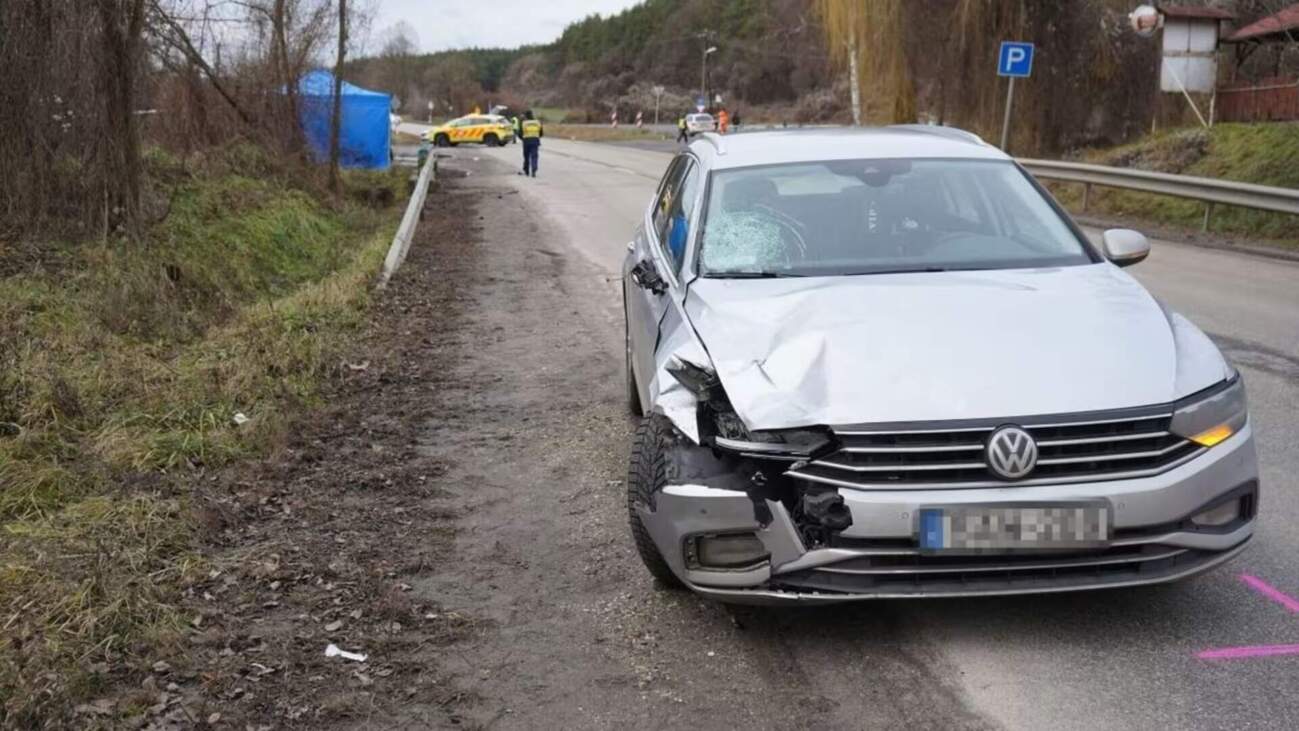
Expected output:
(1015, 59)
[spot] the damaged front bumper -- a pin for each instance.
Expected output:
(877, 554)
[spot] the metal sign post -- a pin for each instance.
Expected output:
(1005, 120)
(1016, 62)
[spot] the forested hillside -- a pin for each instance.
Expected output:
(769, 52)
(1095, 82)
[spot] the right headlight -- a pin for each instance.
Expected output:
(1214, 418)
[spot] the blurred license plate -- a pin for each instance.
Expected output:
(1008, 527)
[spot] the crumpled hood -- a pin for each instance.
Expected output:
(947, 345)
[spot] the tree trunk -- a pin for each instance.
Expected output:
(854, 80)
(336, 123)
(279, 28)
(122, 26)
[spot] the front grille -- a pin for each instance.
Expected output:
(930, 574)
(1080, 450)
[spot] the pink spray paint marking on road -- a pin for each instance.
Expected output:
(1271, 592)
(1241, 653)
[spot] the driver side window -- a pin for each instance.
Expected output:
(667, 195)
(678, 223)
(671, 210)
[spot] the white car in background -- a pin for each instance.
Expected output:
(699, 123)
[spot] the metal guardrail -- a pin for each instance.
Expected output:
(1210, 190)
(406, 231)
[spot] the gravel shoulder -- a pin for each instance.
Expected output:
(535, 439)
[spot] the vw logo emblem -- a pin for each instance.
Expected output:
(1011, 453)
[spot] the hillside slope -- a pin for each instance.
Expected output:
(769, 52)
(1265, 154)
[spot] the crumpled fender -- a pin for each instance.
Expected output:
(666, 395)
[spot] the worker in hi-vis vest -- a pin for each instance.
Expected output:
(532, 134)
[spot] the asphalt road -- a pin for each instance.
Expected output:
(1115, 659)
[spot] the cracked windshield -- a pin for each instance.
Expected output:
(879, 216)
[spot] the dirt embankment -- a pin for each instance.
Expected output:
(322, 543)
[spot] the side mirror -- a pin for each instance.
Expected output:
(647, 277)
(1125, 247)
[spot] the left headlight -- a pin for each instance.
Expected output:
(1214, 418)
(778, 442)
(729, 431)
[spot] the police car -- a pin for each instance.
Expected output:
(488, 129)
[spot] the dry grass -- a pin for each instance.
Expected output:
(122, 375)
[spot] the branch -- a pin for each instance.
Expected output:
(181, 42)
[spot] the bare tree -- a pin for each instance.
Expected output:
(121, 33)
(869, 38)
(336, 120)
(398, 58)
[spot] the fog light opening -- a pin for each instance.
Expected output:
(728, 551)
(1219, 515)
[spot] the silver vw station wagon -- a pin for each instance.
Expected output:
(885, 363)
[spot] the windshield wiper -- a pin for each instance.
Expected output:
(750, 275)
(916, 270)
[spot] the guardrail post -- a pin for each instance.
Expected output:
(1087, 195)
(1208, 214)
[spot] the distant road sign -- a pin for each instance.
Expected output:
(701, 103)
(1015, 59)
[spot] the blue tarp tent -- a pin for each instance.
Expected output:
(364, 134)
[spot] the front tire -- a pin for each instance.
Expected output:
(646, 476)
(492, 141)
(442, 141)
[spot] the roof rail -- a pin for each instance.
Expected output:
(716, 141)
(951, 133)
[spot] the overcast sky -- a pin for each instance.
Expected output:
(443, 24)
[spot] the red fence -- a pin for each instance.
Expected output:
(1269, 100)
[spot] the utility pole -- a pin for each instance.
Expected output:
(658, 92)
